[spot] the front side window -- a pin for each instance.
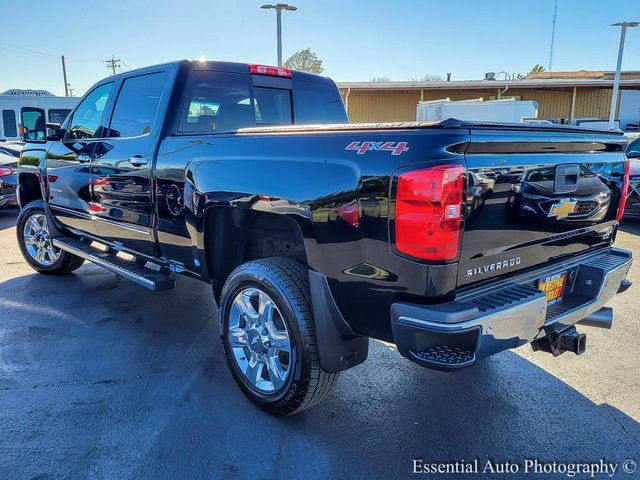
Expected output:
(86, 118)
(137, 105)
(9, 123)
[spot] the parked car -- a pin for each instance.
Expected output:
(248, 177)
(9, 154)
(633, 196)
(536, 196)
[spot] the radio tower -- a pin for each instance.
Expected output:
(553, 33)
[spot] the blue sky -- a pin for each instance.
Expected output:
(357, 40)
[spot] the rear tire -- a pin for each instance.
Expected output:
(35, 245)
(289, 381)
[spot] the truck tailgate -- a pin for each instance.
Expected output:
(536, 196)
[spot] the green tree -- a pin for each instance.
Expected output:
(305, 61)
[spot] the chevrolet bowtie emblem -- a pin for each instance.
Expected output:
(562, 209)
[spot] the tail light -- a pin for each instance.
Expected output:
(6, 171)
(429, 212)
(624, 192)
(267, 70)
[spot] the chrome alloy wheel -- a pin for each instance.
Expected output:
(259, 339)
(37, 240)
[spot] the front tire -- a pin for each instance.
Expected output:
(36, 246)
(268, 336)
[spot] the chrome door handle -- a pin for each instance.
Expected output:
(138, 161)
(83, 158)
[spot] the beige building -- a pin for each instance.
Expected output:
(560, 95)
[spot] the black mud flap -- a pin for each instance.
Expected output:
(338, 346)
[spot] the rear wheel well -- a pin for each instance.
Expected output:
(29, 188)
(234, 236)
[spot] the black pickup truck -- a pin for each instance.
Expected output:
(453, 240)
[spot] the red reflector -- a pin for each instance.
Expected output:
(52, 178)
(6, 171)
(267, 70)
(429, 212)
(624, 192)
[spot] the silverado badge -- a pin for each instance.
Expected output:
(562, 209)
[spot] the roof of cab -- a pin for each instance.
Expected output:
(232, 67)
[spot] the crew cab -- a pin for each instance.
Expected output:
(453, 240)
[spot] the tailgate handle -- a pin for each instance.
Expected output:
(566, 178)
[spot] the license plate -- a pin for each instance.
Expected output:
(553, 287)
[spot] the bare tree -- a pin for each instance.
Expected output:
(537, 68)
(380, 79)
(430, 77)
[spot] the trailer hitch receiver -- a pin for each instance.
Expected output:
(558, 341)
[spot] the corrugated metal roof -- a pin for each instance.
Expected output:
(486, 84)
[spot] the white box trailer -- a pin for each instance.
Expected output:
(15, 110)
(505, 110)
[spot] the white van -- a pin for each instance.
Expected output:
(16, 108)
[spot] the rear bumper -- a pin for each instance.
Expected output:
(505, 315)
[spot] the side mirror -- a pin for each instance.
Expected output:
(54, 132)
(33, 127)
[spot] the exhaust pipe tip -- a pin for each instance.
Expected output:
(602, 318)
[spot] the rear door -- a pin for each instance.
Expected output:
(537, 196)
(121, 163)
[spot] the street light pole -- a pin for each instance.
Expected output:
(279, 29)
(279, 7)
(616, 81)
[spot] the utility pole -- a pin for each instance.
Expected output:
(553, 34)
(64, 76)
(113, 63)
(616, 81)
(279, 7)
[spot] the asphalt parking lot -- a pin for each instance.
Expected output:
(100, 378)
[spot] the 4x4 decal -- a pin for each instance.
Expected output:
(396, 148)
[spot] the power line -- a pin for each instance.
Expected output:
(35, 53)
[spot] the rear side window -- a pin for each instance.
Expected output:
(86, 118)
(58, 115)
(137, 105)
(217, 101)
(9, 123)
(317, 103)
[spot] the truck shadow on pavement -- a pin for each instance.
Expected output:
(101, 378)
